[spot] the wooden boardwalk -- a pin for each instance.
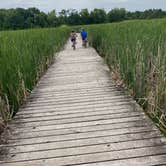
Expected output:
(77, 116)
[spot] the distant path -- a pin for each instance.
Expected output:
(77, 116)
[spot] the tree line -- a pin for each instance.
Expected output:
(20, 18)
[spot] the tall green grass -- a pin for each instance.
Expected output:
(137, 51)
(24, 56)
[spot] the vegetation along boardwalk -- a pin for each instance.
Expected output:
(77, 116)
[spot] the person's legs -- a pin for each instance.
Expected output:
(74, 43)
(84, 41)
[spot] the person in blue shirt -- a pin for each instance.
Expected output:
(84, 36)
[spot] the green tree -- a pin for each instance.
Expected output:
(117, 15)
(63, 16)
(85, 16)
(98, 16)
(74, 17)
(52, 18)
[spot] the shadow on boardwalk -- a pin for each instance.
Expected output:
(76, 116)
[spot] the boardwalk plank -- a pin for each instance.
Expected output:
(95, 157)
(83, 142)
(52, 120)
(91, 149)
(18, 135)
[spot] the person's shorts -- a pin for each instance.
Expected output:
(84, 38)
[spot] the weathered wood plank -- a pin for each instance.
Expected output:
(55, 120)
(76, 124)
(18, 135)
(128, 138)
(53, 152)
(89, 107)
(140, 161)
(57, 116)
(77, 135)
(65, 114)
(95, 157)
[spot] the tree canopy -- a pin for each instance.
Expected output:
(20, 18)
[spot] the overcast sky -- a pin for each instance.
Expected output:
(48, 5)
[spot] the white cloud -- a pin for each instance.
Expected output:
(47, 5)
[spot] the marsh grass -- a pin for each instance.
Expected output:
(137, 51)
(24, 56)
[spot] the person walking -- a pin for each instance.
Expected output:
(84, 36)
(73, 37)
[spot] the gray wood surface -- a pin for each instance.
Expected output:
(77, 116)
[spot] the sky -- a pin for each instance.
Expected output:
(58, 5)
